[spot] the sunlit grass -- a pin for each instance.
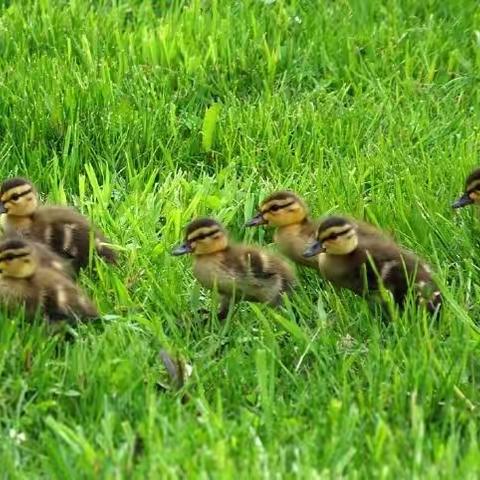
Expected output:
(146, 114)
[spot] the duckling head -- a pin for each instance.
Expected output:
(335, 236)
(18, 197)
(203, 236)
(472, 191)
(280, 210)
(18, 259)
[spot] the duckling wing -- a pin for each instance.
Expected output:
(65, 231)
(61, 215)
(380, 258)
(267, 272)
(257, 265)
(62, 299)
(69, 232)
(397, 270)
(417, 273)
(48, 258)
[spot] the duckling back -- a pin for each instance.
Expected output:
(69, 234)
(61, 298)
(379, 261)
(48, 258)
(47, 291)
(398, 274)
(254, 274)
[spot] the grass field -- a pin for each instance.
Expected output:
(144, 114)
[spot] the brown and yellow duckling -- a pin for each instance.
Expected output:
(24, 280)
(64, 230)
(295, 230)
(238, 272)
(471, 195)
(362, 263)
(47, 257)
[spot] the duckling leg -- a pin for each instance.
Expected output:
(224, 307)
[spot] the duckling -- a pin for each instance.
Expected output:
(295, 229)
(361, 263)
(47, 257)
(63, 229)
(25, 280)
(472, 191)
(237, 271)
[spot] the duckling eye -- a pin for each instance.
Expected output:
(275, 208)
(15, 197)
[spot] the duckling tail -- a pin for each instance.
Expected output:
(107, 253)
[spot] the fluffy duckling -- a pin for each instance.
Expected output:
(472, 191)
(47, 257)
(237, 271)
(361, 263)
(24, 280)
(295, 230)
(63, 229)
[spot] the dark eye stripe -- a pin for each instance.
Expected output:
(16, 196)
(275, 208)
(202, 236)
(335, 235)
(13, 256)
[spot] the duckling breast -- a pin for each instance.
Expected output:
(212, 272)
(19, 225)
(293, 241)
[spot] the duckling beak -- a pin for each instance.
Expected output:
(256, 221)
(462, 201)
(182, 249)
(2, 208)
(314, 249)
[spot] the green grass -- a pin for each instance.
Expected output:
(145, 114)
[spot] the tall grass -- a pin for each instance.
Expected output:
(145, 114)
